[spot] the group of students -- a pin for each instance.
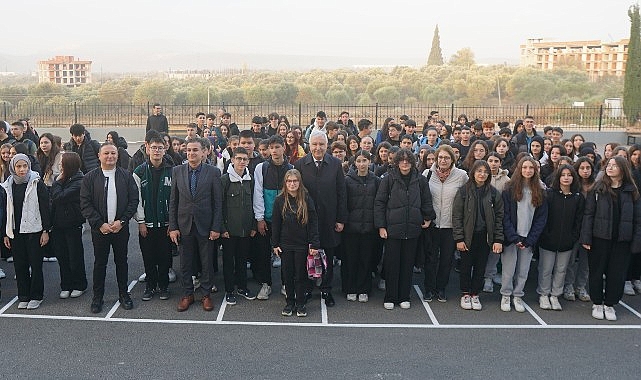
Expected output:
(390, 205)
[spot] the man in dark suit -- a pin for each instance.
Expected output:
(109, 199)
(324, 179)
(195, 220)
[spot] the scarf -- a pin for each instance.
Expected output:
(12, 169)
(442, 175)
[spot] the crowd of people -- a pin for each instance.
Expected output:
(486, 198)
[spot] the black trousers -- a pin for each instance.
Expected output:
(438, 259)
(328, 276)
(67, 246)
(634, 268)
(294, 269)
(101, 246)
(194, 247)
(398, 263)
(235, 252)
(156, 255)
(612, 259)
(473, 264)
(261, 255)
(27, 254)
(356, 261)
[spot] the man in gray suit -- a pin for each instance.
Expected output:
(195, 220)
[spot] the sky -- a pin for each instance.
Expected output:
(141, 35)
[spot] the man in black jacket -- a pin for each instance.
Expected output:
(86, 148)
(157, 121)
(109, 199)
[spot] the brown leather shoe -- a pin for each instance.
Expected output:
(208, 304)
(185, 301)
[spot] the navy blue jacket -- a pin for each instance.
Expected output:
(510, 219)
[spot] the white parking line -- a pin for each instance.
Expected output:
(8, 305)
(221, 312)
(323, 312)
(426, 305)
(115, 306)
(535, 315)
(630, 309)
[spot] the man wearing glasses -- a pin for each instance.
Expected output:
(153, 179)
(157, 121)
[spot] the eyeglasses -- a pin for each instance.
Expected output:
(156, 148)
(242, 159)
(292, 181)
(444, 158)
(612, 166)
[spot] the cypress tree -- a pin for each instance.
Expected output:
(632, 82)
(436, 55)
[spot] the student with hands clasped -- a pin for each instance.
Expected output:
(294, 236)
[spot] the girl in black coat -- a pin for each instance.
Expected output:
(67, 222)
(611, 231)
(402, 208)
(360, 235)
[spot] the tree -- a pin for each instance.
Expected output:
(436, 55)
(632, 82)
(463, 57)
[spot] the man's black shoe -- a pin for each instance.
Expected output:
(148, 294)
(329, 299)
(96, 305)
(126, 302)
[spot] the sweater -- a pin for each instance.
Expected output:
(510, 221)
(565, 215)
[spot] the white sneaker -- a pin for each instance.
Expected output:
(264, 292)
(2, 274)
(554, 302)
(583, 295)
(363, 297)
(10, 259)
(635, 283)
(277, 262)
(544, 302)
(610, 314)
(466, 302)
(283, 291)
(628, 289)
(76, 293)
(518, 305)
(23, 305)
(505, 303)
(34, 304)
(381, 284)
(172, 275)
(65, 294)
(488, 286)
(476, 303)
(597, 311)
(351, 297)
(405, 305)
(388, 305)
(142, 277)
(497, 279)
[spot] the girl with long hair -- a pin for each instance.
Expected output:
(478, 151)
(5, 156)
(525, 217)
(383, 133)
(294, 236)
(477, 225)
(611, 232)
(49, 157)
(561, 232)
(293, 149)
(502, 148)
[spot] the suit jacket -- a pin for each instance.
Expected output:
(204, 209)
(326, 186)
(93, 203)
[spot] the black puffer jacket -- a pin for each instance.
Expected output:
(361, 193)
(563, 226)
(597, 219)
(402, 209)
(88, 152)
(65, 202)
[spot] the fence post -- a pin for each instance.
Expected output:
(600, 116)
(527, 110)
(148, 109)
(300, 111)
(75, 113)
(4, 106)
(452, 114)
(376, 117)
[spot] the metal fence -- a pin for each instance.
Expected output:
(134, 115)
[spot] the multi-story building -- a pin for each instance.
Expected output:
(64, 70)
(597, 58)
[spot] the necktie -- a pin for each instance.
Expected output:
(318, 163)
(192, 183)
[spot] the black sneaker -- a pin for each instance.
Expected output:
(148, 294)
(96, 305)
(428, 296)
(440, 296)
(126, 302)
(163, 294)
(301, 311)
(230, 298)
(308, 296)
(245, 293)
(288, 311)
(329, 299)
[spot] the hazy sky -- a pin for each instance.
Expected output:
(400, 31)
